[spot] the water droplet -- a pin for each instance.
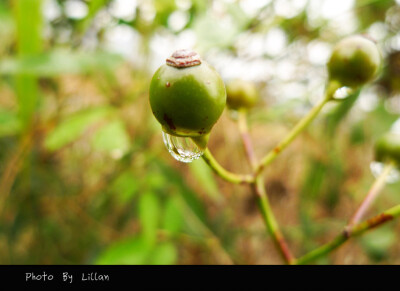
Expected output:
(342, 93)
(182, 149)
(377, 169)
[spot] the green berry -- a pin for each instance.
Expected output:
(387, 148)
(354, 61)
(187, 95)
(241, 94)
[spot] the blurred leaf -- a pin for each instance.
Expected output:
(239, 17)
(73, 127)
(125, 187)
(94, 6)
(372, 10)
(188, 196)
(156, 181)
(340, 112)
(314, 180)
(377, 242)
(310, 191)
(211, 33)
(275, 112)
(357, 135)
(205, 179)
(130, 251)
(9, 123)
(380, 120)
(173, 219)
(29, 41)
(58, 62)
(164, 8)
(149, 215)
(164, 254)
(112, 138)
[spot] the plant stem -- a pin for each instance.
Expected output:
(301, 125)
(261, 194)
(244, 133)
(223, 173)
(271, 222)
(372, 194)
(348, 232)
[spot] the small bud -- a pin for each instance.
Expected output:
(387, 148)
(241, 94)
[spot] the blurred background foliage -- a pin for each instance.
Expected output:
(85, 177)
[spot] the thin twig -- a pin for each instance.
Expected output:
(349, 232)
(270, 221)
(301, 125)
(223, 173)
(372, 194)
(261, 194)
(244, 133)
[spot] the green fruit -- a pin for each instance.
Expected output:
(187, 95)
(354, 61)
(387, 148)
(241, 94)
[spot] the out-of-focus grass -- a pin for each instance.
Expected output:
(85, 177)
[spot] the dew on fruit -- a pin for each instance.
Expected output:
(182, 149)
(342, 93)
(377, 169)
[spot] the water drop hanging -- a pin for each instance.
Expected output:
(183, 149)
(377, 169)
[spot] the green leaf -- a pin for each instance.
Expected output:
(9, 123)
(125, 187)
(130, 251)
(187, 195)
(239, 17)
(164, 254)
(73, 127)
(340, 112)
(173, 219)
(112, 138)
(149, 214)
(58, 62)
(156, 181)
(376, 243)
(28, 18)
(205, 179)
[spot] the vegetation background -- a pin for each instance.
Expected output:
(86, 179)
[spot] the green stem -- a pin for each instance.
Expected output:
(226, 175)
(352, 228)
(349, 232)
(270, 221)
(301, 125)
(261, 193)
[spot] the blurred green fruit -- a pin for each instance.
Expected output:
(354, 61)
(241, 94)
(387, 148)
